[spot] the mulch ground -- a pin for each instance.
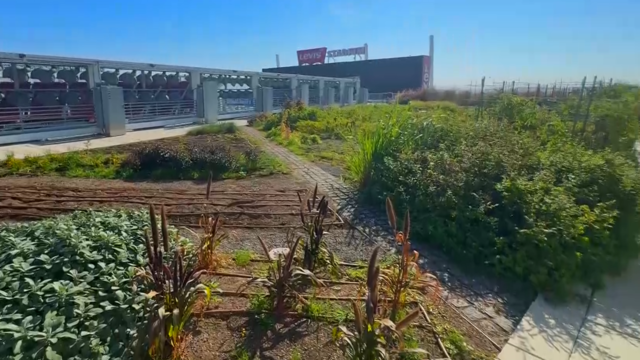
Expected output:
(265, 206)
(257, 202)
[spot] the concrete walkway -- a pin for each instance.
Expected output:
(606, 327)
(41, 148)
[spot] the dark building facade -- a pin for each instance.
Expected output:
(379, 76)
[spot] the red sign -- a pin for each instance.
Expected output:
(312, 56)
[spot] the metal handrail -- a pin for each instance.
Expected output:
(68, 61)
(148, 111)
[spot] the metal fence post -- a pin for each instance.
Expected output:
(577, 110)
(591, 95)
(480, 106)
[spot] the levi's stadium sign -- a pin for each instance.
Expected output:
(312, 56)
(319, 55)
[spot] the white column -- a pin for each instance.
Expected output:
(267, 100)
(304, 93)
(348, 94)
(210, 90)
(255, 85)
(94, 75)
(343, 93)
(363, 97)
(194, 82)
(331, 95)
(294, 88)
(321, 95)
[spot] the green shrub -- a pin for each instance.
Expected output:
(310, 139)
(72, 164)
(514, 193)
(615, 120)
(161, 160)
(258, 120)
(68, 286)
(221, 128)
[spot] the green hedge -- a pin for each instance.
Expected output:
(513, 192)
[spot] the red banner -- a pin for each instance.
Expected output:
(312, 56)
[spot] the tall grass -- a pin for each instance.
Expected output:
(373, 142)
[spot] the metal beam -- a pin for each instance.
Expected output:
(68, 61)
(48, 134)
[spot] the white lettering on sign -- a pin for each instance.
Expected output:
(347, 52)
(311, 56)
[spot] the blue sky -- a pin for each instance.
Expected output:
(533, 41)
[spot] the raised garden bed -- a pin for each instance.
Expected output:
(237, 322)
(198, 156)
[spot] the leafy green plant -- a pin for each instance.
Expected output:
(356, 273)
(410, 341)
(262, 305)
(240, 353)
(372, 336)
(310, 139)
(242, 257)
(68, 288)
(295, 355)
(323, 310)
(284, 278)
(175, 289)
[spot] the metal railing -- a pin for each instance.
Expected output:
(314, 96)
(38, 109)
(381, 97)
(45, 92)
(153, 104)
(280, 97)
(151, 111)
(236, 101)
